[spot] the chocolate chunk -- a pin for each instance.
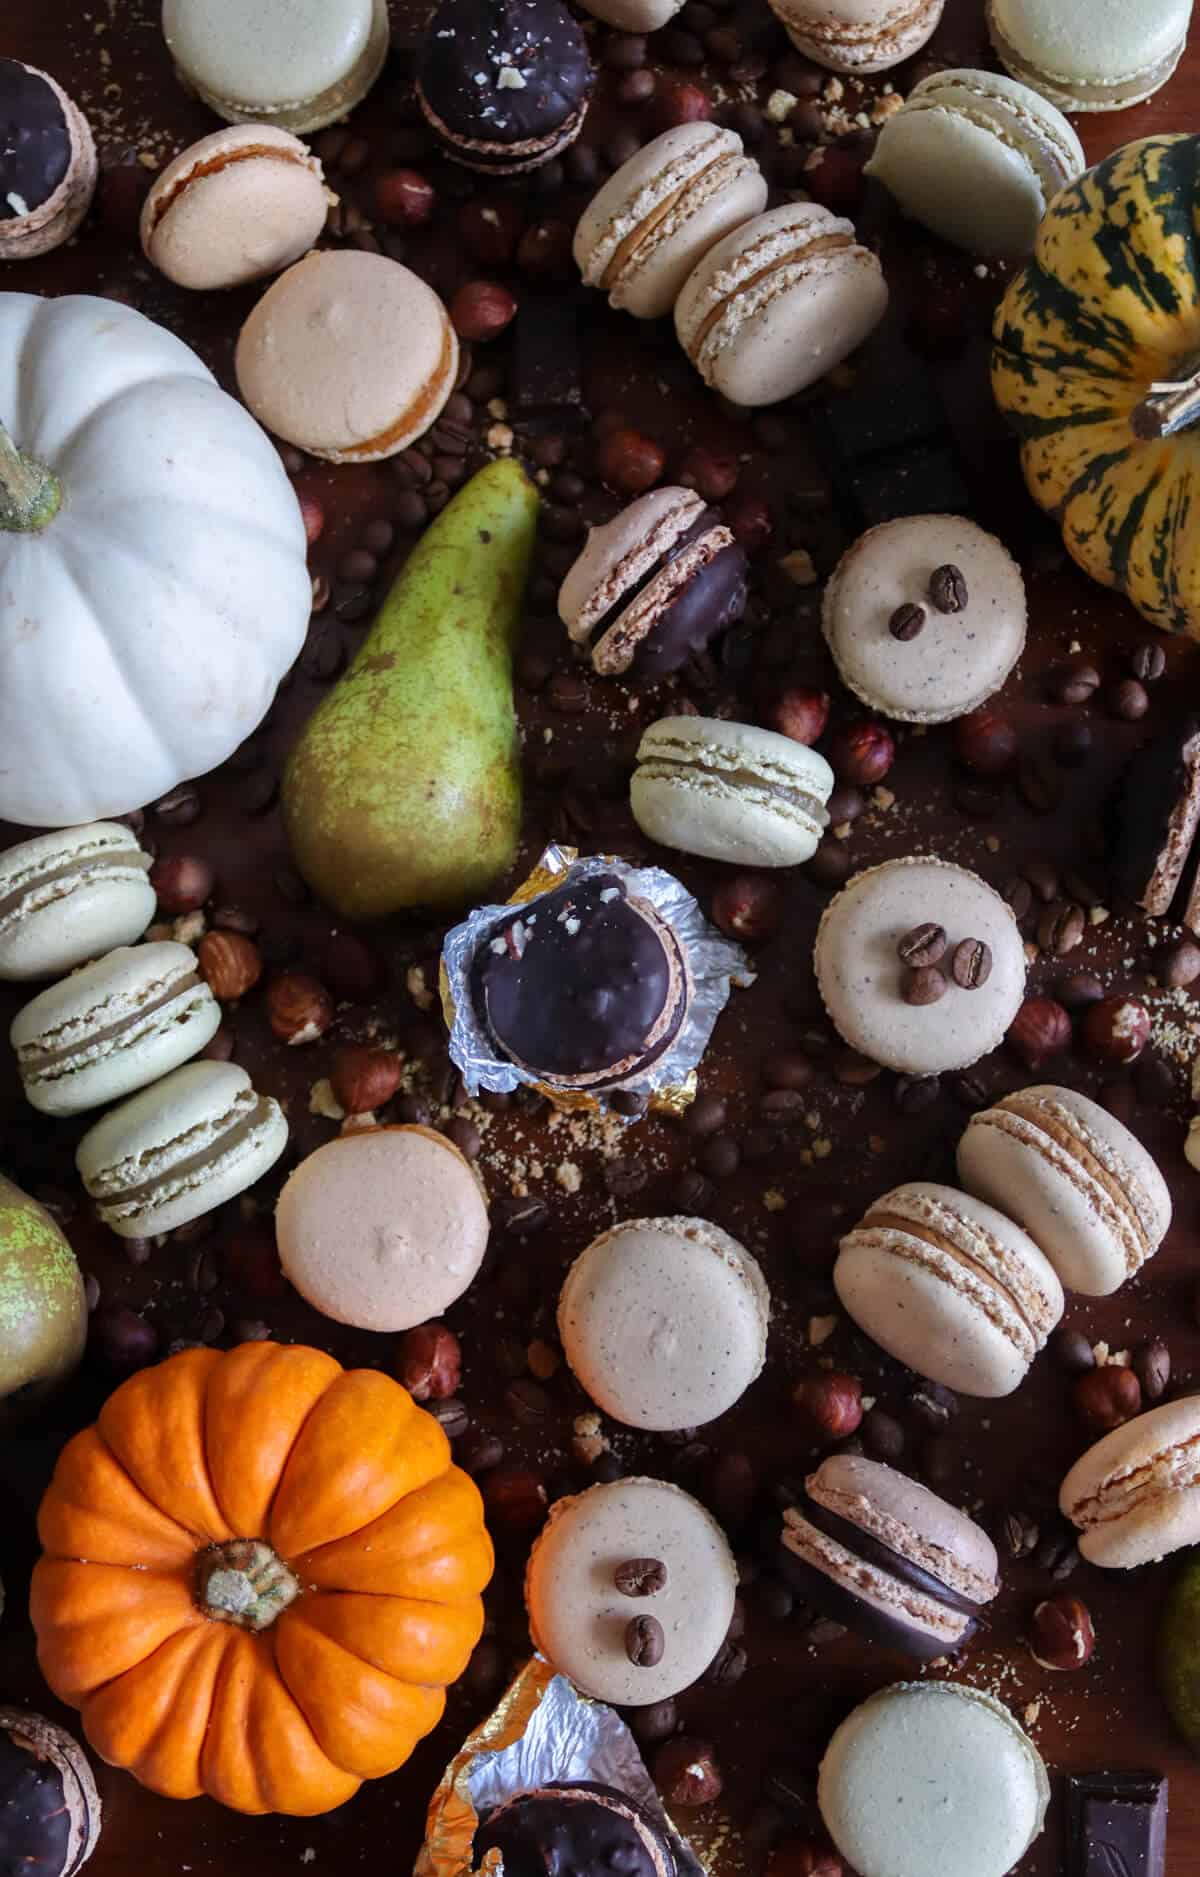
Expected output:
(546, 375)
(35, 140)
(1156, 813)
(501, 79)
(581, 1828)
(1116, 1825)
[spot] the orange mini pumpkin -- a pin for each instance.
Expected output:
(261, 1571)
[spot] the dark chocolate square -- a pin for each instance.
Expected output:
(1116, 1825)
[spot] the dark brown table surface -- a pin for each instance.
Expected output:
(996, 1457)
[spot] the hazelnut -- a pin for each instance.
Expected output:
(1180, 966)
(681, 103)
(429, 1364)
(629, 463)
(230, 964)
(1116, 1029)
(350, 968)
(182, 882)
(492, 229)
(1040, 1029)
(686, 1772)
(1075, 683)
(481, 310)
(299, 1009)
(834, 177)
(749, 518)
(800, 712)
(748, 906)
(544, 250)
(1061, 1634)
(313, 516)
(1108, 1397)
(404, 198)
(795, 1857)
(831, 1401)
(515, 1497)
(985, 741)
(862, 752)
(363, 1078)
(120, 1338)
(711, 473)
(1152, 1366)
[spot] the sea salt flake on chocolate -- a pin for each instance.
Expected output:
(510, 79)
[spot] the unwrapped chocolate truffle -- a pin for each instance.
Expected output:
(504, 84)
(47, 163)
(587, 1830)
(49, 1806)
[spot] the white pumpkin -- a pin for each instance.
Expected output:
(153, 587)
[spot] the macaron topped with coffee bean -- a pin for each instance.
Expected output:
(925, 617)
(504, 84)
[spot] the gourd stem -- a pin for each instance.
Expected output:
(1168, 408)
(30, 493)
(244, 1582)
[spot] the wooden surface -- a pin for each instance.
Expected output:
(1002, 1456)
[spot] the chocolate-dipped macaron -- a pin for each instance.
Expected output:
(583, 1828)
(1155, 817)
(49, 1805)
(504, 84)
(584, 987)
(654, 586)
(47, 163)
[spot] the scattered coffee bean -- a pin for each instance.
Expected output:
(478, 1452)
(1019, 895)
(1019, 1534)
(728, 1665)
(1039, 787)
(521, 1217)
(1072, 1351)
(567, 694)
(645, 1641)
(692, 1191)
(933, 1404)
(923, 945)
(1078, 990)
(972, 964)
(830, 865)
(1072, 744)
(925, 985)
(1154, 1080)
(1057, 1552)
(1148, 661)
(882, 1435)
(948, 589)
(653, 1723)
(853, 1070)
(907, 621)
(915, 1093)
(706, 1115)
(1075, 683)
(528, 1402)
(845, 804)
(1129, 700)
(1061, 928)
(1152, 1366)
(790, 1069)
(721, 1157)
(451, 1415)
(640, 1577)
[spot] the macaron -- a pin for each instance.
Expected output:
(245, 202)
(582, 1595)
(1075, 1178)
(584, 987)
(730, 791)
(47, 163)
(932, 1776)
(504, 84)
(910, 639)
(654, 586)
(977, 158)
(874, 1550)
(641, 235)
(1154, 822)
(634, 16)
(920, 965)
(858, 36)
(573, 1827)
(384, 1228)
(778, 303)
(348, 355)
(950, 1287)
(68, 896)
(297, 64)
(180, 1148)
(1090, 55)
(1135, 1496)
(50, 1807)
(113, 1027)
(664, 1322)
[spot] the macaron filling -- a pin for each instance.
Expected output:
(761, 273)
(102, 863)
(35, 140)
(680, 603)
(708, 767)
(659, 210)
(73, 1043)
(161, 206)
(1133, 1488)
(841, 33)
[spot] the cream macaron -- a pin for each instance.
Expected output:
(858, 36)
(641, 235)
(1090, 55)
(347, 355)
(778, 303)
(950, 1287)
(299, 64)
(243, 203)
(68, 896)
(1135, 1496)
(730, 791)
(1075, 1178)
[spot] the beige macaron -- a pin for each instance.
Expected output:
(243, 203)
(1135, 1496)
(644, 231)
(348, 355)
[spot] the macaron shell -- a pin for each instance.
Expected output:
(578, 1618)
(860, 36)
(383, 1228)
(618, 554)
(241, 204)
(1135, 1495)
(664, 1322)
(724, 791)
(957, 660)
(299, 63)
(634, 16)
(76, 894)
(1090, 55)
(860, 1593)
(912, 1519)
(982, 1786)
(348, 355)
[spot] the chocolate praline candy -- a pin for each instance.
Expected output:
(504, 83)
(582, 986)
(35, 140)
(49, 1806)
(584, 1829)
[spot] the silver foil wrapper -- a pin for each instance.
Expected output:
(715, 964)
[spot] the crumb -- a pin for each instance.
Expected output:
(799, 568)
(820, 1329)
(780, 105)
(418, 990)
(774, 1200)
(322, 1101)
(568, 1176)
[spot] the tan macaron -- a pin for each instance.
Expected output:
(243, 203)
(1135, 1496)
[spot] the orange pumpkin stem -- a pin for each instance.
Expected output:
(244, 1582)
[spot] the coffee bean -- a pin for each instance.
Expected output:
(1019, 1534)
(1075, 683)
(923, 945)
(1019, 895)
(1128, 700)
(528, 1402)
(645, 1641)
(1148, 661)
(1072, 1351)
(1072, 744)
(845, 804)
(1152, 1366)
(882, 1435)
(465, 1135)
(783, 1104)
(567, 694)
(692, 1191)
(853, 1070)
(728, 1665)
(790, 1069)
(907, 621)
(657, 1721)
(451, 1415)
(1061, 928)
(1154, 1080)
(830, 865)
(721, 1157)
(181, 807)
(970, 1092)
(521, 1217)
(1080, 890)
(925, 985)
(624, 1177)
(1079, 990)
(625, 1101)
(775, 1599)
(1039, 787)
(948, 589)
(915, 1093)
(478, 1452)
(705, 1116)
(933, 1404)
(640, 1577)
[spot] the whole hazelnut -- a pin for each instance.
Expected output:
(1180, 965)
(1061, 1636)
(299, 1008)
(363, 1078)
(629, 463)
(1040, 1029)
(834, 178)
(686, 1772)
(799, 712)
(1116, 1029)
(1108, 1397)
(544, 250)
(749, 519)
(748, 906)
(350, 968)
(182, 882)
(429, 1363)
(831, 1401)
(230, 964)
(985, 741)
(796, 1857)
(862, 752)
(515, 1497)
(313, 516)
(404, 198)
(120, 1338)
(491, 229)
(680, 102)
(481, 310)
(711, 473)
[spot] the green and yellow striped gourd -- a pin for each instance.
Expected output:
(1096, 364)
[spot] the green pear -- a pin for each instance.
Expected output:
(1179, 1652)
(43, 1311)
(404, 788)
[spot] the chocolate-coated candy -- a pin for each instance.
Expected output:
(583, 1828)
(503, 77)
(49, 1806)
(35, 141)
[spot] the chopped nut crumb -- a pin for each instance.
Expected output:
(820, 1329)
(323, 1101)
(774, 1200)
(418, 990)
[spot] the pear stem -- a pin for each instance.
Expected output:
(30, 493)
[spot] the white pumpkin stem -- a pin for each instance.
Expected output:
(30, 493)
(1168, 408)
(244, 1583)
